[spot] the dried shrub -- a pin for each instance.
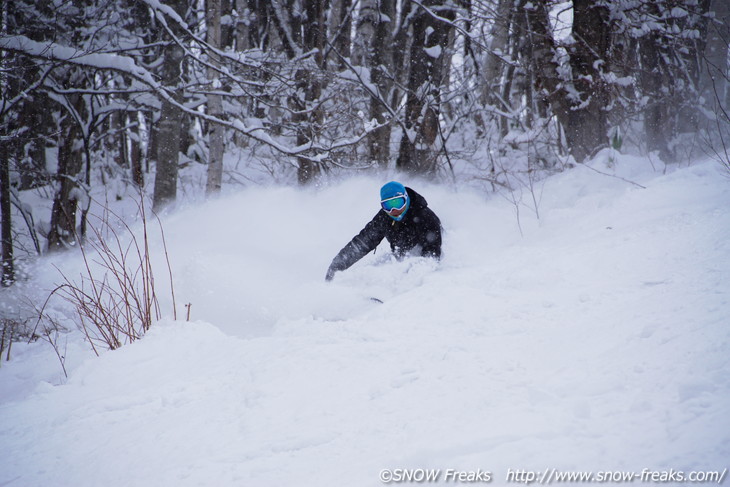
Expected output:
(115, 297)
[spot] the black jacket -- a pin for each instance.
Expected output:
(420, 227)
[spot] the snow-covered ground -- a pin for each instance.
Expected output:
(597, 340)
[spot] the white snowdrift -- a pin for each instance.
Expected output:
(598, 341)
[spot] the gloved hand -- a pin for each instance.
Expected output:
(330, 274)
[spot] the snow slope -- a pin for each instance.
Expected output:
(595, 341)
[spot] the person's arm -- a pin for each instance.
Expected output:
(432, 245)
(364, 242)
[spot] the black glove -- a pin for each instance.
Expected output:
(330, 274)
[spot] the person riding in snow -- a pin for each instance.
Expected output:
(404, 219)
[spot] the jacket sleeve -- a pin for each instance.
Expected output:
(432, 245)
(364, 242)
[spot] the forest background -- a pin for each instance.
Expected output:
(128, 94)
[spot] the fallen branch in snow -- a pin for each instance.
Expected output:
(51, 335)
(613, 176)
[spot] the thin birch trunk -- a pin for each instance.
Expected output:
(216, 133)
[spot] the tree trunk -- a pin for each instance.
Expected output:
(714, 79)
(168, 152)
(588, 122)
(135, 155)
(243, 30)
(368, 20)
(340, 23)
(115, 140)
(8, 269)
(169, 125)
(657, 117)
(691, 62)
(494, 63)
(227, 30)
(216, 133)
(65, 204)
(152, 145)
(583, 119)
(30, 150)
(310, 116)
(671, 73)
(423, 104)
(381, 72)
(714, 86)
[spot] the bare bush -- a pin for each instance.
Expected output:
(115, 297)
(7, 334)
(14, 330)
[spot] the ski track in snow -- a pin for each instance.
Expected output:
(597, 341)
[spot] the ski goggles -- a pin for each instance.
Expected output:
(395, 205)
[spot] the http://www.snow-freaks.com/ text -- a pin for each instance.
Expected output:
(549, 476)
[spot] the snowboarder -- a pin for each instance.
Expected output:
(405, 220)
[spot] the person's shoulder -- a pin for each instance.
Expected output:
(417, 200)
